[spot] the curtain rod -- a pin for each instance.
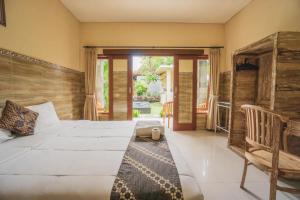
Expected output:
(156, 47)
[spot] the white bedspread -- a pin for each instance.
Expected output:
(73, 160)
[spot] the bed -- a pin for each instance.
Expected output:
(74, 160)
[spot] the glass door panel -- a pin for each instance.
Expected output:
(121, 88)
(184, 104)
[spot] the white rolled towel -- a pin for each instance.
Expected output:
(144, 128)
(155, 134)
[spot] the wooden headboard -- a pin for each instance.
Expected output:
(28, 81)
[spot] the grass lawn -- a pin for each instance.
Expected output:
(156, 108)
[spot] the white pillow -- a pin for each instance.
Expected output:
(47, 116)
(5, 135)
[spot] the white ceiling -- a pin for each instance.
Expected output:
(188, 11)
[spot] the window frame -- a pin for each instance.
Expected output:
(2, 13)
(205, 110)
(99, 112)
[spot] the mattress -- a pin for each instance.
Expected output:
(74, 160)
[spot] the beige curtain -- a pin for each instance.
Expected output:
(214, 60)
(90, 109)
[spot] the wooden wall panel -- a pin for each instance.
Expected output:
(287, 94)
(30, 81)
(120, 95)
(264, 88)
(244, 91)
(224, 86)
(201, 121)
(224, 94)
(276, 85)
(289, 41)
(103, 116)
(185, 97)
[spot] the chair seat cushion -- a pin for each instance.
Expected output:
(289, 165)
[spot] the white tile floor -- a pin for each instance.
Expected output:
(218, 170)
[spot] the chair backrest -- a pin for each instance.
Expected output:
(168, 108)
(262, 126)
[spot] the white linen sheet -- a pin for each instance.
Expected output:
(73, 160)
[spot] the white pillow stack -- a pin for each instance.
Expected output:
(47, 116)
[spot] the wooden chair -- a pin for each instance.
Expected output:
(262, 148)
(202, 108)
(101, 113)
(167, 112)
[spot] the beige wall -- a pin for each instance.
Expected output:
(43, 29)
(152, 34)
(258, 20)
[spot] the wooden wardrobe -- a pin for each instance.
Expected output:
(265, 73)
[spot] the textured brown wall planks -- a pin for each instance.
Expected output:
(185, 96)
(120, 95)
(243, 92)
(224, 93)
(287, 92)
(201, 121)
(224, 86)
(29, 81)
(264, 80)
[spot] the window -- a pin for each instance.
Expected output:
(102, 85)
(202, 85)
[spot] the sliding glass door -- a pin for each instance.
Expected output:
(121, 91)
(185, 81)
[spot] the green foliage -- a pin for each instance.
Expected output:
(149, 69)
(152, 78)
(140, 88)
(136, 113)
(169, 60)
(161, 113)
(156, 108)
(150, 64)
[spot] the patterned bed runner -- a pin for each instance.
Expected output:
(147, 172)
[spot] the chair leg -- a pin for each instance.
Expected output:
(244, 173)
(273, 184)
